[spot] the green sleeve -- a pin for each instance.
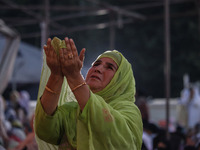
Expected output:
(52, 128)
(118, 126)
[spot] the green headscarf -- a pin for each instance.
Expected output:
(114, 55)
(123, 83)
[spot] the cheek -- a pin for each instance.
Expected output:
(108, 77)
(88, 74)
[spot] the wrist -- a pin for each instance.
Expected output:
(56, 77)
(55, 82)
(75, 80)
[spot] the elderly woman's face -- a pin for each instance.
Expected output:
(101, 73)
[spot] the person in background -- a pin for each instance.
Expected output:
(103, 115)
(190, 101)
(143, 107)
(24, 104)
(29, 143)
(4, 139)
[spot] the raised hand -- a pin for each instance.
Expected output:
(71, 62)
(52, 59)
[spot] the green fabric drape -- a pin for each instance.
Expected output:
(109, 121)
(65, 96)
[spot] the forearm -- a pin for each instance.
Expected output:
(48, 128)
(81, 93)
(49, 100)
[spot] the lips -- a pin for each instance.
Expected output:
(95, 77)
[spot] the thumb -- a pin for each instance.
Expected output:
(82, 55)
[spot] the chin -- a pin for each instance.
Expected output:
(94, 88)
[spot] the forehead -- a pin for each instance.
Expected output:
(107, 60)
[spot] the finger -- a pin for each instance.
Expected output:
(45, 49)
(49, 47)
(48, 43)
(64, 54)
(82, 55)
(53, 52)
(68, 47)
(61, 56)
(73, 47)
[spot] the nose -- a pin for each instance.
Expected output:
(99, 68)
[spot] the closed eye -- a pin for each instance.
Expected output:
(111, 66)
(98, 62)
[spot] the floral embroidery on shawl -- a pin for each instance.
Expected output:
(107, 115)
(64, 145)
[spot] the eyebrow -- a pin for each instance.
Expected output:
(110, 64)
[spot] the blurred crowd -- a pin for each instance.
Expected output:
(182, 134)
(16, 122)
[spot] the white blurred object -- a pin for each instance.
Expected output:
(186, 81)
